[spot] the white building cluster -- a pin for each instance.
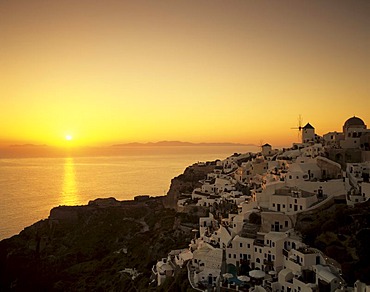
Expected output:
(259, 234)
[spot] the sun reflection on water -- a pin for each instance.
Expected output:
(69, 194)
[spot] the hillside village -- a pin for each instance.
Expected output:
(249, 240)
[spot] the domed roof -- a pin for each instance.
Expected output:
(353, 122)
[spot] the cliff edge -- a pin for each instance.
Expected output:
(187, 182)
(88, 247)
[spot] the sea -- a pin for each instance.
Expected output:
(31, 186)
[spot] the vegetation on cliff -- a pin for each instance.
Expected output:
(342, 233)
(89, 248)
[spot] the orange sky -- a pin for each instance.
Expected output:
(115, 71)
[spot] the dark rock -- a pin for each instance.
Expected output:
(80, 248)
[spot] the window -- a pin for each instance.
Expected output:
(286, 223)
(229, 255)
(300, 207)
(241, 244)
(234, 256)
(249, 246)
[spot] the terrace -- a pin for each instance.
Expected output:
(293, 192)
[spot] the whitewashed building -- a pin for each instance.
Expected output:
(207, 261)
(291, 200)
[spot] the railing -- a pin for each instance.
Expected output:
(191, 271)
(268, 263)
(259, 242)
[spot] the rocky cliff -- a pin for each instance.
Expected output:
(187, 182)
(342, 233)
(87, 247)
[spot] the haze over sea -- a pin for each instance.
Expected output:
(31, 187)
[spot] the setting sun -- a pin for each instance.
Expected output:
(226, 63)
(69, 137)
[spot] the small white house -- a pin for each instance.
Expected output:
(291, 200)
(162, 270)
(239, 250)
(207, 261)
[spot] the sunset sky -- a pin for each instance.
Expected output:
(114, 71)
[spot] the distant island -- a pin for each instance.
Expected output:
(28, 145)
(34, 150)
(178, 143)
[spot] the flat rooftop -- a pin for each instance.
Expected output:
(293, 192)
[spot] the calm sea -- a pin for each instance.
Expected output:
(30, 187)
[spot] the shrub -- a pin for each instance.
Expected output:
(255, 218)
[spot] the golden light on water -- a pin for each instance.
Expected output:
(69, 194)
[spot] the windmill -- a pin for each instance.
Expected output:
(299, 127)
(260, 144)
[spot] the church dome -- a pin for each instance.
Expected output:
(354, 122)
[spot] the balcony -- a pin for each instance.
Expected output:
(268, 263)
(259, 242)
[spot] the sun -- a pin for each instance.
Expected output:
(69, 137)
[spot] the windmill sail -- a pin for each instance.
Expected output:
(299, 127)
